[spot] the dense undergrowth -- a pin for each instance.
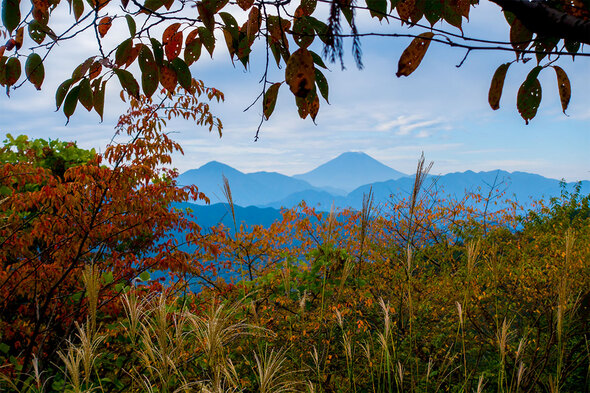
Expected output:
(424, 296)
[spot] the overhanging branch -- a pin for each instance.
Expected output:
(539, 17)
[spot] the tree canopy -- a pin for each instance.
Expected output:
(165, 37)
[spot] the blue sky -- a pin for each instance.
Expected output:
(440, 109)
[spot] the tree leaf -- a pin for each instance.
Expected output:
(529, 97)
(98, 97)
(300, 72)
(497, 85)
(104, 25)
(153, 5)
(168, 78)
(20, 36)
(61, 92)
(10, 14)
(123, 52)
(78, 8)
(158, 51)
(12, 71)
(192, 47)
(207, 15)
(172, 41)
(82, 69)
(71, 102)
(270, 99)
(413, 55)
(245, 4)
(520, 36)
(128, 82)
(317, 59)
(34, 70)
(150, 77)
(95, 70)
(183, 74)
(377, 8)
(131, 25)
(564, 86)
(36, 31)
(207, 39)
(303, 32)
(322, 84)
(85, 94)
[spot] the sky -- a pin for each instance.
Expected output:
(440, 109)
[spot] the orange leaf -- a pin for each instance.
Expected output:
(168, 78)
(18, 41)
(172, 41)
(104, 25)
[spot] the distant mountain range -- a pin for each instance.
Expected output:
(343, 181)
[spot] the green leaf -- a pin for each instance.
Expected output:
(107, 277)
(230, 22)
(378, 8)
(153, 5)
(131, 25)
(61, 92)
(145, 276)
(149, 71)
(128, 82)
(207, 39)
(270, 99)
(85, 94)
(123, 51)
(10, 14)
(98, 97)
(34, 70)
(317, 59)
(158, 51)
(12, 71)
(71, 101)
(36, 31)
(4, 348)
(322, 83)
(182, 73)
(192, 49)
(529, 96)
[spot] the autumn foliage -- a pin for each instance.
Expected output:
(65, 209)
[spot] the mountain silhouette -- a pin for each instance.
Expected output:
(349, 171)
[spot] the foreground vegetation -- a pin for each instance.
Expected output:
(423, 294)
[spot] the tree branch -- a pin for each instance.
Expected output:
(539, 17)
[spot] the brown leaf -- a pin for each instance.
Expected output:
(18, 41)
(413, 55)
(168, 78)
(300, 72)
(497, 85)
(104, 25)
(405, 9)
(172, 41)
(245, 4)
(564, 86)
(95, 70)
